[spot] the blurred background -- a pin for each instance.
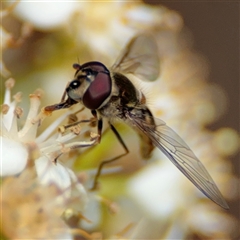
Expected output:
(215, 27)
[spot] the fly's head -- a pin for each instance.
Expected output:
(92, 85)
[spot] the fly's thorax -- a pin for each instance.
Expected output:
(124, 97)
(129, 95)
(92, 85)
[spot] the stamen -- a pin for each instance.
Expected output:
(52, 127)
(9, 84)
(29, 130)
(18, 112)
(17, 97)
(4, 109)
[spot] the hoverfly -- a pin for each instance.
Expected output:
(110, 94)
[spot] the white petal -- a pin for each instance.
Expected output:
(93, 213)
(78, 193)
(51, 173)
(13, 157)
(7, 119)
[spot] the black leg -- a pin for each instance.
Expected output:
(67, 104)
(78, 145)
(78, 122)
(112, 159)
(99, 125)
(64, 95)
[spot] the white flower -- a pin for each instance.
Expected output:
(25, 154)
(14, 153)
(45, 15)
(20, 147)
(9, 150)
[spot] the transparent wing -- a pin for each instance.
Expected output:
(139, 57)
(181, 156)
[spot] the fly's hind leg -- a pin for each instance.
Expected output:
(112, 159)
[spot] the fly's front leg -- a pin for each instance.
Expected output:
(65, 93)
(94, 140)
(99, 125)
(64, 127)
(66, 104)
(75, 145)
(112, 159)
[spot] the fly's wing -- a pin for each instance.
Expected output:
(181, 156)
(139, 57)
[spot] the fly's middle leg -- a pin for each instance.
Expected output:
(112, 159)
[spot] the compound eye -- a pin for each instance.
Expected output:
(89, 72)
(98, 91)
